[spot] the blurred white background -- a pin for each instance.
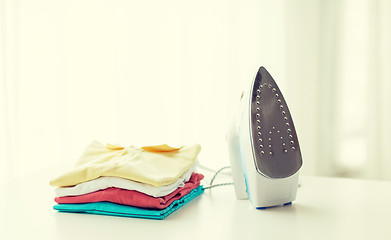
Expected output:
(151, 72)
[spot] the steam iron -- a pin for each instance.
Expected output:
(263, 146)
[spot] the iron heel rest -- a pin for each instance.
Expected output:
(263, 146)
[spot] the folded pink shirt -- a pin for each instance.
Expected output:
(134, 198)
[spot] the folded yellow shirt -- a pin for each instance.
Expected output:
(155, 165)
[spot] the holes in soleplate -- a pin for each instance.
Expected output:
(283, 140)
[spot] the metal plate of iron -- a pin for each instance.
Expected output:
(275, 145)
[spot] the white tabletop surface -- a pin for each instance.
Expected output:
(326, 208)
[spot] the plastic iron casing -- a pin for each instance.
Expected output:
(263, 146)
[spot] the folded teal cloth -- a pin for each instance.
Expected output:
(113, 209)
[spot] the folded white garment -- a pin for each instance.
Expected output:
(107, 182)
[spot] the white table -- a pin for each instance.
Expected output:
(326, 208)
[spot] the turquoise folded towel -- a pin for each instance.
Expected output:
(113, 209)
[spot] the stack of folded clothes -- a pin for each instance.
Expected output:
(148, 182)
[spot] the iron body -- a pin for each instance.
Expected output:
(263, 146)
